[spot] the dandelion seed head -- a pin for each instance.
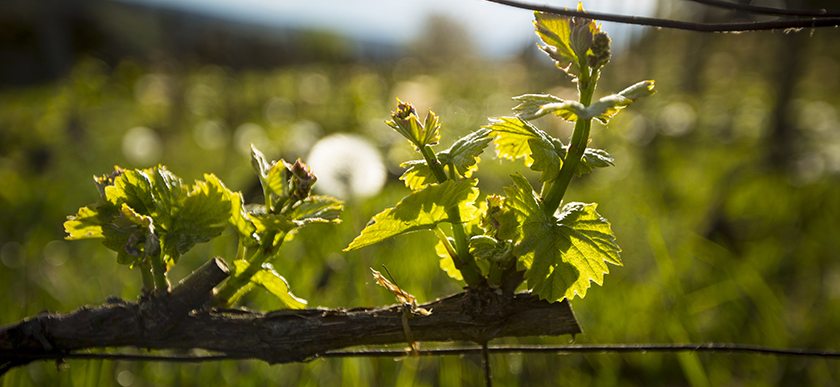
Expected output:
(347, 167)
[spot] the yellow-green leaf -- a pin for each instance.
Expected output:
(561, 254)
(421, 210)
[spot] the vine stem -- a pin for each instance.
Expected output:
(146, 274)
(464, 262)
(229, 291)
(553, 196)
(159, 272)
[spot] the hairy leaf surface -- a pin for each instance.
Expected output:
(533, 106)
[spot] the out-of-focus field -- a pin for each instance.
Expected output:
(725, 199)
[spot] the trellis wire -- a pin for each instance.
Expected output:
(812, 22)
(458, 351)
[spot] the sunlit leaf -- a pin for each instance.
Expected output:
(88, 222)
(531, 105)
(515, 138)
(198, 217)
(273, 222)
(489, 249)
(446, 263)
(407, 123)
(179, 216)
(463, 154)
(316, 209)
(561, 254)
(421, 210)
(555, 32)
(417, 175)
(609, 106)
(268, 279)
(592, 158)
(132, 236)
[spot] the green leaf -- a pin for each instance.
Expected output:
(179, 216)
(609, 106)
(561, 254)
(418, 175)
(568, 39)
(421, 210)
(515, 138)
(313, 209)
(511, 137)
(274, 176)
(487, 248)
(273, 222)
(317, 209)
(446, 262)
(407, 123)
(132, 236)
(555, 32)
(532, 106)
(88, 222)
(197, 217)
(592, 158)
(463, 154)
(268, 279)
(240, 220)
(498, 220)
(260, 164)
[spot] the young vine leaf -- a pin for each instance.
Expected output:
(532, 106)
(268, 279)
(592, 158)
(515, 138)
(561, 254)
(568, 39)
(462, 156)
(406, 122)
(421, 210)
(178, 216)
(446, 262)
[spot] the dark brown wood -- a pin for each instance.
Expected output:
(282, 336)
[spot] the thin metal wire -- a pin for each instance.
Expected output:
(768, 10)
(545, 349)
(786, 24)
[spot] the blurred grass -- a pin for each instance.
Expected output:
(723, 198)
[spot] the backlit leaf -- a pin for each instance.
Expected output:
(515, 138)
(561, 254)
(268, 279)
(417, 175)
(446, 263)
(463, 154)
(421, 210)
(592, 158)
(317, 209)
(532, 106)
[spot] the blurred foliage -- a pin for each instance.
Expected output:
(723, 197)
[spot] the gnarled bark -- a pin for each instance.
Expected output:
(175, 321)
